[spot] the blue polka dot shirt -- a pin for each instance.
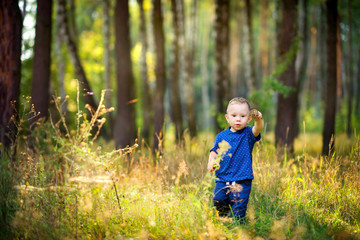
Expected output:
(236, 164)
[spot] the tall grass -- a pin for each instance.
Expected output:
(68, 186)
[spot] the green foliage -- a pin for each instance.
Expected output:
(8, 195)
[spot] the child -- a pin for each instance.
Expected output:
(235, 173)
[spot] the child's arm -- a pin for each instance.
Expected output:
(258, 124)
(211, 162)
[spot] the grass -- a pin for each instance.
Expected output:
(71, 187)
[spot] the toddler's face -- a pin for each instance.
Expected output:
(238, 116)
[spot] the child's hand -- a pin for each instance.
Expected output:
(255, 114)
(213, 166)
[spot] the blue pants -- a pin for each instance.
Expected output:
(234, 195)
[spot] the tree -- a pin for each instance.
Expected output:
(221, 56)
(331, 74)
(189, 71)
(264, 42)
(41, 66)
(303, 56)
(146, 93)
(124, 129)
(287, 103)
(10, 68)
(350, 71)
(174, 83)
(252, 78)
(73, 51)
(107, 62)
(160, 74)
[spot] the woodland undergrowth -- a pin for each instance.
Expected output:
(67, 184)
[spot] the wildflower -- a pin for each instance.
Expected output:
(224, 146)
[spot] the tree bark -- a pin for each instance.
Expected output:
(42, 59)
(124, 129)
(60, 63)
(205, 78)
(160, 75)
(73, 51)
(10, 69)
(189, 69)
(304, 58)
(146, 93)
(174, 83)
(107, 58)
(350, 85)
(221, 57)
(357, 97)
(331, 70)
(252, 80)
(287, 105)
(264, 42)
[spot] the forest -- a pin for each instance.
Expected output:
(109, 109)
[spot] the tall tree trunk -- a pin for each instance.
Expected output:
(174, 84)
(339, 58)
(160, 75)
(60, 63)
(235, 45)
(357, 98)
(73, 51)
(304, 58)
(146, 94)
(106, 59)
(350, 71)
(252, 86)
(10, 68)
(287, 105)
(221, 57)
(322, 46)
(124, 129)
(264, 42)
(42, 57)
(205, 77)
(331, 64)
(189, 69)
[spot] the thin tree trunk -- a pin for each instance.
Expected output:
(107, 59)
(205, 99)
(42, 59)
(60, 63)
(264, 43)
(10, 69)
(235, 44)
(160, 75)
(339, 58)
(357, 98)
(252, 80)
(287, 105)
(350, 72)
(330, 107)
(73, 51)
(146, 94)
(301, 74)
(221, 57)
(124, 129)
(189, 61)
(322, 46)
(174, 83)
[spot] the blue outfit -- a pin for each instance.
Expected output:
(234, 177)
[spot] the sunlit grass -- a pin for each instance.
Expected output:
(87, 190)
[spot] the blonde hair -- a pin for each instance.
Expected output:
(238, 100)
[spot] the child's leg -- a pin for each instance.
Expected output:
(240, 199)
(221, 199)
